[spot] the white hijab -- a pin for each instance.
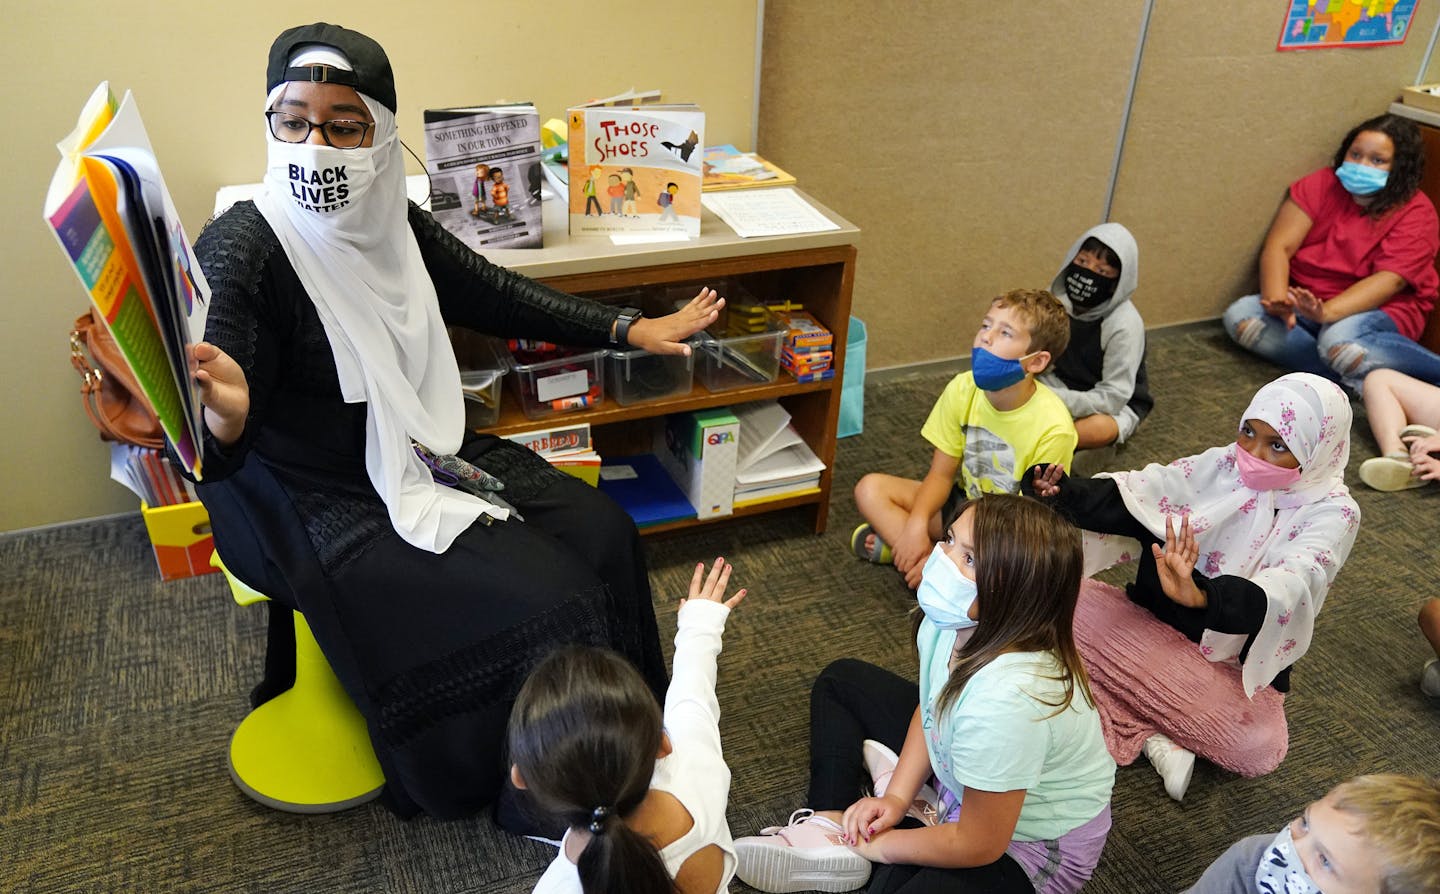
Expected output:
(361, 266)
(1289, 542)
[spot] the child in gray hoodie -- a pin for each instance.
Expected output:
(1101, 376)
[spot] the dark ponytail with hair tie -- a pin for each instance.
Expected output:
(584, 732)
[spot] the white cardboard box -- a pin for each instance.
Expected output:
(698, 450)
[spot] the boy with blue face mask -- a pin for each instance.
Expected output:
(1365, 836)
(986, 427)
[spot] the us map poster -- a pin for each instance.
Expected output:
(1320, 24)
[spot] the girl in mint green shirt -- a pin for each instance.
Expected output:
(1001, 733)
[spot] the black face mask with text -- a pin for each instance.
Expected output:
(1088, 289)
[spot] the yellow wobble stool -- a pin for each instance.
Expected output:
(306, 750)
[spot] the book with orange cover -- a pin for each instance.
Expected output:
(728, 168)
(115, 221)
(635, 169)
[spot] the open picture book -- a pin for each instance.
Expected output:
(114, 219)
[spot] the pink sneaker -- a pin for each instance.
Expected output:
(880, 761)
(808, 854)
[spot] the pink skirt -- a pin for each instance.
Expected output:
(1148, 678)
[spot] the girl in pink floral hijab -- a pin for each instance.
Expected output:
(1238, 547)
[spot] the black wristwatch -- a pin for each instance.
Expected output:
(627, 318)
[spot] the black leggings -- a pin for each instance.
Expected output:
(850, 702)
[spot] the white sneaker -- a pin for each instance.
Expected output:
(808, 854)
(1174, 764)
(1430, 678)
(880, 761)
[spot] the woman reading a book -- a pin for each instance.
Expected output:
(335, 423)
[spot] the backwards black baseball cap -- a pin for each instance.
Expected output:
(371, 73)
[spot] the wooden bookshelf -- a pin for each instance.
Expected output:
(814, 269)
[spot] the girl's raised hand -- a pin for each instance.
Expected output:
(1047, 480)
(712, 587)
(1176, 562)
(667, 334)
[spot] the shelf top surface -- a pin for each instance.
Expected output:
(564, 254)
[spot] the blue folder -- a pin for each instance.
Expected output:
(650, 495)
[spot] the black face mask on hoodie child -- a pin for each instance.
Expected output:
(1086, 288)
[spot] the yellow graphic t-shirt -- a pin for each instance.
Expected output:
(995, 448)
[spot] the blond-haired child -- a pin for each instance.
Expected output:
(1369, 835)
(989, 424)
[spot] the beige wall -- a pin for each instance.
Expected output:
(972, 149)
(197, 71)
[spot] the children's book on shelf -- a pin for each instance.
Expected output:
(635, 168)
(728, 168)
(485, 174)
(113, 217)
(566, 447)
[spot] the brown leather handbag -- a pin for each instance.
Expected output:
(111, 396)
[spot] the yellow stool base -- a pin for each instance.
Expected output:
(307, 750)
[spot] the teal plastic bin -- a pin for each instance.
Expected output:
(852, 393)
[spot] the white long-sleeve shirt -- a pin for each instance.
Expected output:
(694, 771)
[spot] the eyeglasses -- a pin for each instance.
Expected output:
(339, 133)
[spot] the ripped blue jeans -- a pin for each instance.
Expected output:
(1343, 351)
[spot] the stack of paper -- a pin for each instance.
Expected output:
(774, 461)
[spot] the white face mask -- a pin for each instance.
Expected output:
(945, 595)
(1280, 870)
(321, 180)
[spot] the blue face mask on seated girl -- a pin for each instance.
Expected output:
(995, 373)
(1361, 180)
(945, 595)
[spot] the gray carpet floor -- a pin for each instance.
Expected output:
(118, 692)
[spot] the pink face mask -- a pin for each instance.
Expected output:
(1257, 474)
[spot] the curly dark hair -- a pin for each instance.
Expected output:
(1406, 169)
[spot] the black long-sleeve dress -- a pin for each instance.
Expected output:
(1233, 604)
(432, 647)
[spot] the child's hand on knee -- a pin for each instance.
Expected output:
(868, 817)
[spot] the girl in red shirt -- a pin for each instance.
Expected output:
(1347, 273)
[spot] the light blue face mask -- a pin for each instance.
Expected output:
(1361, 180)
(994, 373)
(945, 595)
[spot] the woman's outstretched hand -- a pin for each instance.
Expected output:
(711, 587)
(1047, 480)
(667, 334)
(223, 391)
(1176, 562)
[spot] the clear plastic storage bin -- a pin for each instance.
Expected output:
(737, 361)
(636, 376)
(742, 347)
(483, 363)
(554, 381)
